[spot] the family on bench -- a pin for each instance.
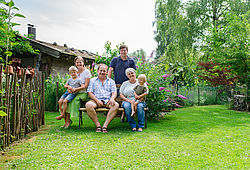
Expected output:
(104, 92)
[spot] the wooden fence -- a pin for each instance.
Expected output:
(22, 99)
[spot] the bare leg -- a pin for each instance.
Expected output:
(122, 117)
(65, 103)
(67, 120)
(60, 102)
(136, 103)
(90, 107)
(111, 114)
(133, 108)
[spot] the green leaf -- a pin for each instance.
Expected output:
(14, 43)
(14, 24)
(2, 113)
(8, 53)
(11, 4)
(3, 11)
(15, 8)
(19, 15)
(3, 2)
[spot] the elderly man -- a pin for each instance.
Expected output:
(102, 91)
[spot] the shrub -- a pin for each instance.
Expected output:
(162, 94)
(51, 91)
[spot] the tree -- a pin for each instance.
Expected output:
(216, 75)
(229, 45)
(11, 43)
(175, 37)
(182, 28)
(138, 55)
(109, 53)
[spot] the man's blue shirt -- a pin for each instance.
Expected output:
(119, 67)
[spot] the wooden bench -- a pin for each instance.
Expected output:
(81, 109)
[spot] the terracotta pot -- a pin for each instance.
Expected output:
(19, 71)
(32, 72)
(27, 73)
(10, 69)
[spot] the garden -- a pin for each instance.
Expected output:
(199, 137)
(198, 99)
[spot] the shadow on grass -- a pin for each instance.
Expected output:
(176, 123)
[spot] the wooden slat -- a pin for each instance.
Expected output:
(105, 109)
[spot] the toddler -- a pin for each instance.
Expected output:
(140, 92)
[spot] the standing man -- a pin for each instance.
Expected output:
(119, 65)
(102, 91)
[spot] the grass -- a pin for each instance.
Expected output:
(208, 137)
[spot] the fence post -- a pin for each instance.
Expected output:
(1, 72)
(198, 94)
(14, 104)
(43, 97)
(9, 105)
(57, 86)
(216, 92)
(21, 100)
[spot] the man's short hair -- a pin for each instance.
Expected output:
(129, 70)
(102, 64)
(73, 68)
(123, 46)
(143, 76)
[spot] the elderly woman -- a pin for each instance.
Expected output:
(127, 95)
(73, 107)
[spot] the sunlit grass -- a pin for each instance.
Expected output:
(208, 137)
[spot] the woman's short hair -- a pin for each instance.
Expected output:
(73, 68)
(129, 70)
(79, 57)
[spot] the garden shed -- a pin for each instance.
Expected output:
(54, 58)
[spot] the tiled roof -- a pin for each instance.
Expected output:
(63, 49)
(66, 50)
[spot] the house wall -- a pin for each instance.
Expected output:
(49, 64)
(27, 60)
(60, 66)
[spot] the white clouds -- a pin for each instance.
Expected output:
(88, 24)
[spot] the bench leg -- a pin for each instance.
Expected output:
(80, 119)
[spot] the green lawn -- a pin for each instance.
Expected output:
(208, 137)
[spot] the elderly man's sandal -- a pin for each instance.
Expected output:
(98, 129)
